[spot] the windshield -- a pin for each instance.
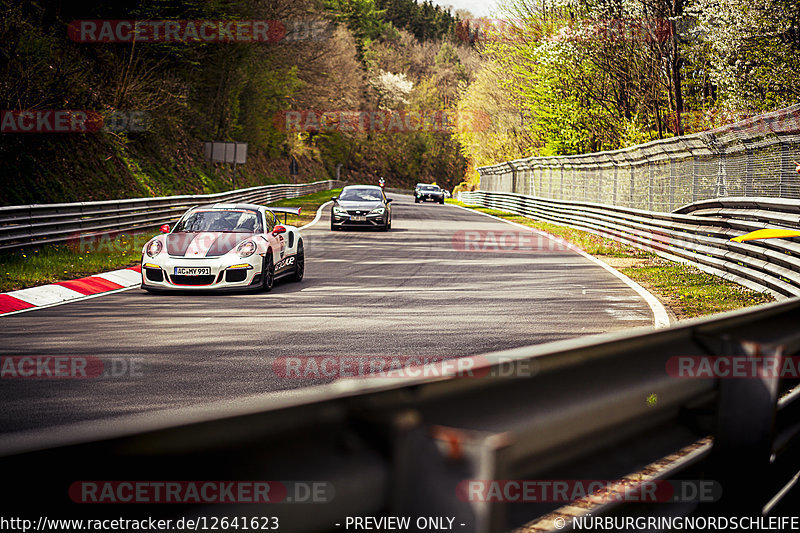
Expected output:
(220, 221)
(361, 195)
(430, 188)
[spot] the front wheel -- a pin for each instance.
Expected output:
(299, 263)
(268, 273)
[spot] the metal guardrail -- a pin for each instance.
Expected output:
(597, 407)
(698, 233)
(26, 225)
(400, 191)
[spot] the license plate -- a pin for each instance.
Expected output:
(359, 218)
(192, 271)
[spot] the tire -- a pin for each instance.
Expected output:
(299, 263)
(441, 201)
(268, 273)
(333, 227)
(416, 200)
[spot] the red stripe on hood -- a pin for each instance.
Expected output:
(203, 244)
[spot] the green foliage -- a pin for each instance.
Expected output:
(220, 91)
(426, 21)
(363, 18)
(583, 89)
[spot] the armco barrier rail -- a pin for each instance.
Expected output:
(24, 225)
(594, 408)
(698, 233)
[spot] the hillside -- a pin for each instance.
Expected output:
(397, 56)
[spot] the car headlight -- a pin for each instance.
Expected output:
(378, 211)
(246, 249)
(154, 248)
(338, 210)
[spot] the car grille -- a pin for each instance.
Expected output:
(192, 280)
(154, 274)
(358, 212)
(235, 275)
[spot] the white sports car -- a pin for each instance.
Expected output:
(224, 246)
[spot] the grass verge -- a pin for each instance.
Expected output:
(687, 291)
(49, 263)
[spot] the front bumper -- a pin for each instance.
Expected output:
(374, 221)
(224, 273)
(431, 197)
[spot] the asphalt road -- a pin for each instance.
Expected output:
(406, 292)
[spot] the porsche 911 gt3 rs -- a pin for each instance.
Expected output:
(224, 246)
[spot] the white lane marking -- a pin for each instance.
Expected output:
(660, 315)
(316, 218)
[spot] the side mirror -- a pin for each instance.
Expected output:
(334, 198)
(164, 228)
(388, 200)
(278, 230)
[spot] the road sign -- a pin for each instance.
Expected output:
(226, 152)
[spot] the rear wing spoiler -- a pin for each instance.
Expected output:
(286, 211)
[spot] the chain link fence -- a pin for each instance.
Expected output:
(754, 157)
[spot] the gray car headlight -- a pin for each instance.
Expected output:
(337, 210)
(154, 248)
(246, 249)
(378, 211)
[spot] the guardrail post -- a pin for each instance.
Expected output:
(744, 433)
(585, 184)
(616, 171)
(695, 177)
(633, 184)
(650, 185)
(434, 466)
(671, 184)
(786, 177)
(748, 173)
(598, 174)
